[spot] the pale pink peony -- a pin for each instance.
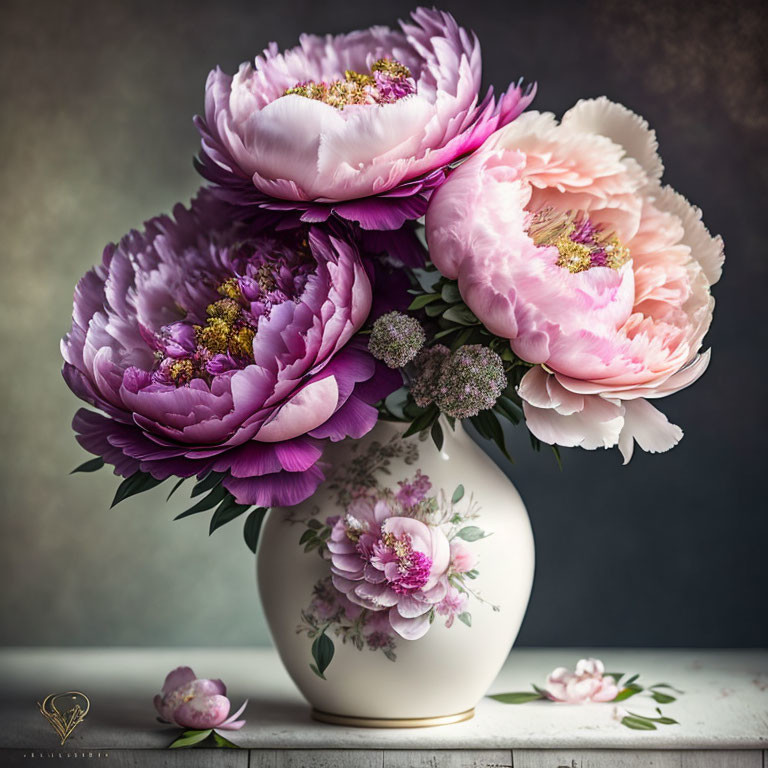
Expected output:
(385, 562)
(586, 684)
(362, 125)
(592, 269)
(196, 703)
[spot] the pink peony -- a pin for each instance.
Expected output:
(586, 684)
(592, 269)
(385, 562)
(362, 124)
(196, 703)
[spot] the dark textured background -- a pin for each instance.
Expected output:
(97, 100)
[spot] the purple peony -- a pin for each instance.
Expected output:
(362, 124)
(215, 345)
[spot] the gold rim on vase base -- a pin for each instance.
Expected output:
(391, 722)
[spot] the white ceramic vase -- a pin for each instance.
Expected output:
(440, 677)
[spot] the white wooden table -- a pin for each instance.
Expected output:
(723, 715)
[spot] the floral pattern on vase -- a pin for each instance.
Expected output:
(398, 559)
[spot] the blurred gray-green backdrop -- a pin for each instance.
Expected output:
(97, 101)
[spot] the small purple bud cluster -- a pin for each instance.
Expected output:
(461, 384)
(426, 379)
(396, 339)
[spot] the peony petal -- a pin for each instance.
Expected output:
(176, 678)
(706, 249)
(622, 126)
(280, 489)
(409, 629)
(232, 723)
(409, 607)
(202, 712)
(598, 425)
(308, 409)
(649, 427)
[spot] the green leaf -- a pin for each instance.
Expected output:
(450, 293)
(627, 692)
(136, 483)
(666, 685)
(522, 697)
(89, 466)
(509, 410)
(308, 535)
(436, 309)
(314, 524)
(472, 533)
(252, 527)
(188, 738)
(207, 502)
(487, 423)
(322, 653)
(663, 720)
(427, 278)
(461, 339)
(221, 741)
(615, 675)
(446, 332)
(631, 680)
(421, 301)
(412, 411)
(396, 402)
(175, 488)
(437, 434)
(423, 421)
(461, 314)
(663, 698)
(466, 618)
(638, 723)
(211, 480)
(227, 511)
(458, 494)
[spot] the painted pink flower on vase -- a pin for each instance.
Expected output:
(463, 559)
(362, 125)
(595, 272)
(452, 605)
(196, 703)
(386, 562)
(587, 683)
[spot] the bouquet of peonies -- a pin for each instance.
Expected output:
(294, 302)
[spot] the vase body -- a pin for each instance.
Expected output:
(377, 680)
